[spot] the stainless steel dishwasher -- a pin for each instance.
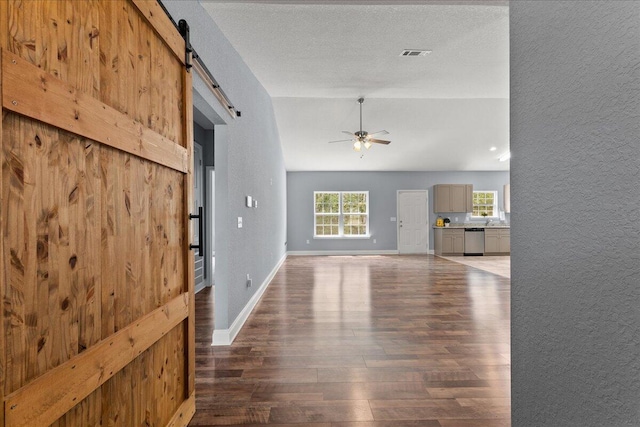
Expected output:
(474, 241)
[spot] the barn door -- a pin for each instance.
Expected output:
(97, 277)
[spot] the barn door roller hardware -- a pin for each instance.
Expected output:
(193, 60)
(200, 218)
(183, 27)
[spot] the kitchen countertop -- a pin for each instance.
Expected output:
(472, 225)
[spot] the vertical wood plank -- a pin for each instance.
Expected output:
(109, 223)
(50, 33)
(108, 54)
(47, 233)
(88, 213)
(3, 281)
(187, 131)
(162, 25)
(14, 313)
(4, 29)
(125, 259)
(143, 70)
(124, 62)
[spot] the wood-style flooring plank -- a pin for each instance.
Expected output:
(377, 341)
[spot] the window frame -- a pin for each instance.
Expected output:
(496, 213)
(341, 214)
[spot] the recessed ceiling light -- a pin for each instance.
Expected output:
(493, 148)
(415, 52)
(506, 156)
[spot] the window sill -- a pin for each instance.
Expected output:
(365, 237)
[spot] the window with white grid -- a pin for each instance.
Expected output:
(341, 214)
(485, 204)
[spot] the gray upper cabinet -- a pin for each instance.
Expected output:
(452, 198)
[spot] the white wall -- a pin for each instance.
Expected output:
(575, 185)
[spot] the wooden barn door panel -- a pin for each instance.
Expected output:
(96, 279)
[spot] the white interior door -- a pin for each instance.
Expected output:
(413, 222)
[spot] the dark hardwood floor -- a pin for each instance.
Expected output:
(362, 342)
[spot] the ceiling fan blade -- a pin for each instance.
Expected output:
(348, 133)
(380, 132)
(341, 140)
(379, 141)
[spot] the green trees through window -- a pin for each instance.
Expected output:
(341, 213)
(485, 202)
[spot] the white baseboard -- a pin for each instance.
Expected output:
(354, 253)
(226, 336)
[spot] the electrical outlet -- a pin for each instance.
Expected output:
(308, 241)
(239, 222)
(249, 281)
(374, 241)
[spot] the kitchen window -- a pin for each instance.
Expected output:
(341, 214)
(485, 202)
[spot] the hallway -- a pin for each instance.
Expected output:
(363, 341)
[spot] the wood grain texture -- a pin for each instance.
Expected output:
(382, 341)
(3, 278)
(161, 23)
(93, 235)
(53, 194)
(189, 255)
(60, 389)
(131, 52)
(35, 93)
(185, 413)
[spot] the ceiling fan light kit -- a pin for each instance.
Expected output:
(363, 138)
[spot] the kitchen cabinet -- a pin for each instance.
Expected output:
(449, 241)
(497, 241)
(507, 198)
(452, 198)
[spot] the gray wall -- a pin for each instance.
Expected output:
(248, 162)
(382, 187)
(575, 184)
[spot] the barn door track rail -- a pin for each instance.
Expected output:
(193, 60)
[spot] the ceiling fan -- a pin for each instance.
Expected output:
(363, 138)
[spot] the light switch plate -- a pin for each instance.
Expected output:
(249, 201)
(239, 222)
(393, 219)
(255, 203)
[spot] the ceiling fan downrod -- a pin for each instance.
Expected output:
(360, 101)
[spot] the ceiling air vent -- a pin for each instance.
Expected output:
(415, 52)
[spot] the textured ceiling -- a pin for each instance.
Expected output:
(338, 52)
